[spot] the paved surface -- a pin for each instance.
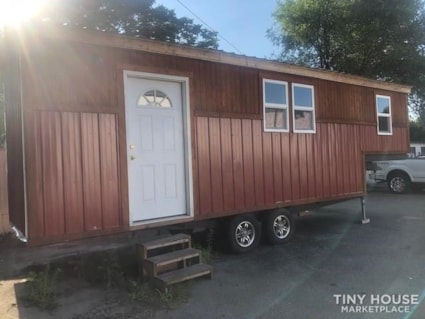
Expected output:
(331, 253)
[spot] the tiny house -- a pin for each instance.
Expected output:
(109, 134)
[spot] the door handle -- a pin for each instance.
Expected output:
(132, 157)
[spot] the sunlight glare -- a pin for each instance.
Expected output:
(15, 12)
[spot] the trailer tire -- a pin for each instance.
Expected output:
(279, 226)
(243, 233)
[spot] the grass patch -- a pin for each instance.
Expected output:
(116, 269)
(43, 288)
(206, 253)
(170, 298)
(111, 269)
(206, 246)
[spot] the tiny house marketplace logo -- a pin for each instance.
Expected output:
(376, 303)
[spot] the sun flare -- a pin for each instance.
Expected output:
(15, 12)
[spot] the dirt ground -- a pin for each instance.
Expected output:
(95, 285)
(77, 300)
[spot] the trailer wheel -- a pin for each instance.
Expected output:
(279, 226)
(244, 232)
(399, 182)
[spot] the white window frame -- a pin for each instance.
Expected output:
(275, 106)
(311, 109)
(388, 115)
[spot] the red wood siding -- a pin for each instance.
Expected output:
(242, 168)
(15, 158)
(72, 174)
(75, 154)
(374, 143)
(4, 208)
(337, 102)
(76, 160)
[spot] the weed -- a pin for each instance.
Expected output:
(99, 269)
(112, 272)
(210, 237)
(142, 292)
(173, 296)
(170, 298)
(206, 249)
(43, 288)
(205, 253)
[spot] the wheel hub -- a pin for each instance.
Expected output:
(245, 234)
(281, 226)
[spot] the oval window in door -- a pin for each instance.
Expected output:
(154, 98)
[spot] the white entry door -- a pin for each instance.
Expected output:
(155, 148)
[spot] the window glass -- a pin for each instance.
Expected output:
(384, 125)
(383, 105)
(383, 114)
(275, 106)
(303, 108)
(303, 96)
(275, 118)
(275, 93)
(304, 120)
(154, 98)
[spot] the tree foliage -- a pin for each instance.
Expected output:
(417, 131)
(137, 18)
(380, 39)
(307, 30)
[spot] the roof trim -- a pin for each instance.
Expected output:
(119, 41)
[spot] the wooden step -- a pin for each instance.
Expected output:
(175, 256)
(180, 275)
(166, 241)
(170, 261)
(159, 247)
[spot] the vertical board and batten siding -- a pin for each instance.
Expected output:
(71, 130)
(281, 169)
(243, 168)
(4, 206)
(75, 143)
(14, 136)
(77, 178)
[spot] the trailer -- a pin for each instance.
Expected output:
(108, 134)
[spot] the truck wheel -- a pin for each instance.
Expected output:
(279, 226)
(244, 232)
(399, 182)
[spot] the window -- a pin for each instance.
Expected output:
(303, 108)
(383, 110)
(154, 98)
(275, 100)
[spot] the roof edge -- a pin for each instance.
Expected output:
(151, 46)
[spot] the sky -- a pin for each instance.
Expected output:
(243, 23)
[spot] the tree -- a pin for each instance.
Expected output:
(417, 131)
(309, 32)
(373, 38)
(137, 18)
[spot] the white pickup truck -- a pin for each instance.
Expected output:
(400, 174)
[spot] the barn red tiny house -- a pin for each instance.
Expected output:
(109, 134)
